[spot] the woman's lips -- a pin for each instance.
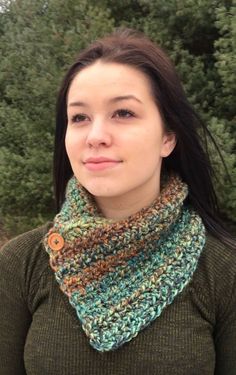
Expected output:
(99, 164)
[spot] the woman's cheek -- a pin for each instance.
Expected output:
(70, 143)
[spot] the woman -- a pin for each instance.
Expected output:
(135, 275)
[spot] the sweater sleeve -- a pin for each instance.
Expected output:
(225, 330)
(225, 340)
(16, 265)
(14, 316)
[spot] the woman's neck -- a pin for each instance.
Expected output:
(121, 207)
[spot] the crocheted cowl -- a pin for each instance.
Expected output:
(120, 276)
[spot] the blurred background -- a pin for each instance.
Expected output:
(39, 39)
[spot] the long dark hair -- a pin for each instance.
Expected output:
(189, 159)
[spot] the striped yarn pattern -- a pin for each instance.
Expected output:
(120, 276)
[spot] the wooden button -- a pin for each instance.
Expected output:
(55, 241)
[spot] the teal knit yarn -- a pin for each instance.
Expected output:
(120, 276)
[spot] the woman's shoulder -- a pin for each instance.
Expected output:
(24, 256)
(26, 243)
(215, 278)
(218, 258)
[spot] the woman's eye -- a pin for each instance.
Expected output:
(123, 113)
(79, 118)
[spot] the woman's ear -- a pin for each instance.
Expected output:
(168, 144)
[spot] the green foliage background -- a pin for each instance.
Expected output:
(38, 42)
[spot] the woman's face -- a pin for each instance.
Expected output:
(115, 138)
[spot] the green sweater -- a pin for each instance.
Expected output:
(40, 333)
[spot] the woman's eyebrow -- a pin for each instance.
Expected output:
(77, 104)
(125, 97)
(112, 100)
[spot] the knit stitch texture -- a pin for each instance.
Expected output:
(120, 276)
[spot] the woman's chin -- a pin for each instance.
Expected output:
(101, 190)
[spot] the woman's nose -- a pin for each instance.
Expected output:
(98, 134)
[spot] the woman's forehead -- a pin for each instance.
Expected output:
(109, 79)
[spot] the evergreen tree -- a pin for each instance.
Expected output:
(38, 42)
